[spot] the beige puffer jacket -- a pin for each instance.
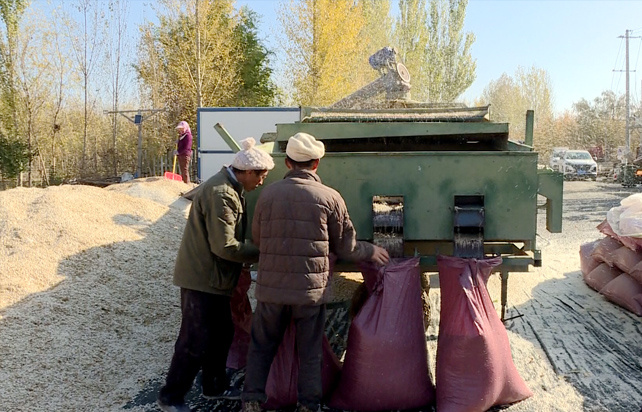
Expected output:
(297, 222)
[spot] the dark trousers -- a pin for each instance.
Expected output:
(183, 164)
(203, 343)
(269, 323)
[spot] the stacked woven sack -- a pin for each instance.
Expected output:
(613, 265)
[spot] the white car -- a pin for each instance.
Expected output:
(575, 164)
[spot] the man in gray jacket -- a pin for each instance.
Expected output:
(297, 223)
(208, 265)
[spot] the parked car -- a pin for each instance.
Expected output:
(574, 164)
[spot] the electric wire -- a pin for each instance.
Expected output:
(617, 58)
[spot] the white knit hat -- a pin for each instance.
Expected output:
(251, 158)
(303, 147)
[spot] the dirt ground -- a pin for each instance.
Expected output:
(88, 313)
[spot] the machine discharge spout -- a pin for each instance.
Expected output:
(227, 137)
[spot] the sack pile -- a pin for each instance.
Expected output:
(613, 265)
(614, 270)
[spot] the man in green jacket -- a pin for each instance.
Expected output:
(208, 265)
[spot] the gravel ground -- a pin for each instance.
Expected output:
(88, 314)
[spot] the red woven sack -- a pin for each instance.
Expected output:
(386, 361)
(281, 386)
(242, 318)
(475, 370)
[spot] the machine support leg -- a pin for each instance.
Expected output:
(504, 276)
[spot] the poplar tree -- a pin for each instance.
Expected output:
(511, 96)
(435, 49)
(601, 122)
(168, 58)
(411, 41)
(257, 87)
(233, 63)
(323, 43)
(375, 34)
(11, 12)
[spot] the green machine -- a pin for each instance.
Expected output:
(427, 179)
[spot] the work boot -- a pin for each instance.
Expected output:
(252, 406)
(230, 394)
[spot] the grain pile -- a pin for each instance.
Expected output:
(85, 292)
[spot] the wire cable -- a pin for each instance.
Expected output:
(616, 62)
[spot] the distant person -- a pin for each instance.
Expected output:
(207, 269)
(184, 149)
(298, 222)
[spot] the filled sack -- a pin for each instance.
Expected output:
(242, 319)
(601, 276)
(626, 292)
(587, 261)
(625, 259)
(386, 360)
(636, 272)
(281, 385)
(604, 251)
(475, 369)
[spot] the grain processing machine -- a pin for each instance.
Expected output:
(429, 179)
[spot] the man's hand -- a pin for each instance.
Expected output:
(380, 255)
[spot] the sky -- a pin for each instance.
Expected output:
(579, 43)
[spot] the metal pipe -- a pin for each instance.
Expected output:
(530, 121)
(227, 137)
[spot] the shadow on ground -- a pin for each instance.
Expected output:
(591, 342)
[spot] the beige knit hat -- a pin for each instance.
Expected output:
(251, 158)
(303, 147)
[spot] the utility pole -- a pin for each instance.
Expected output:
(627, 128)
(138, 120)
(627, 134)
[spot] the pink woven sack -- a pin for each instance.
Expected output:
(625, 259)
(601, 276)
(636, 272)
(475, 370)
(386, 361)
(605, 250)
(631, 242)
(588, 262)
(626, 292)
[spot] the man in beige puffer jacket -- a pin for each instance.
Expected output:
(297, 223)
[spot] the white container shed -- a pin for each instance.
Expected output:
(240, 122)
